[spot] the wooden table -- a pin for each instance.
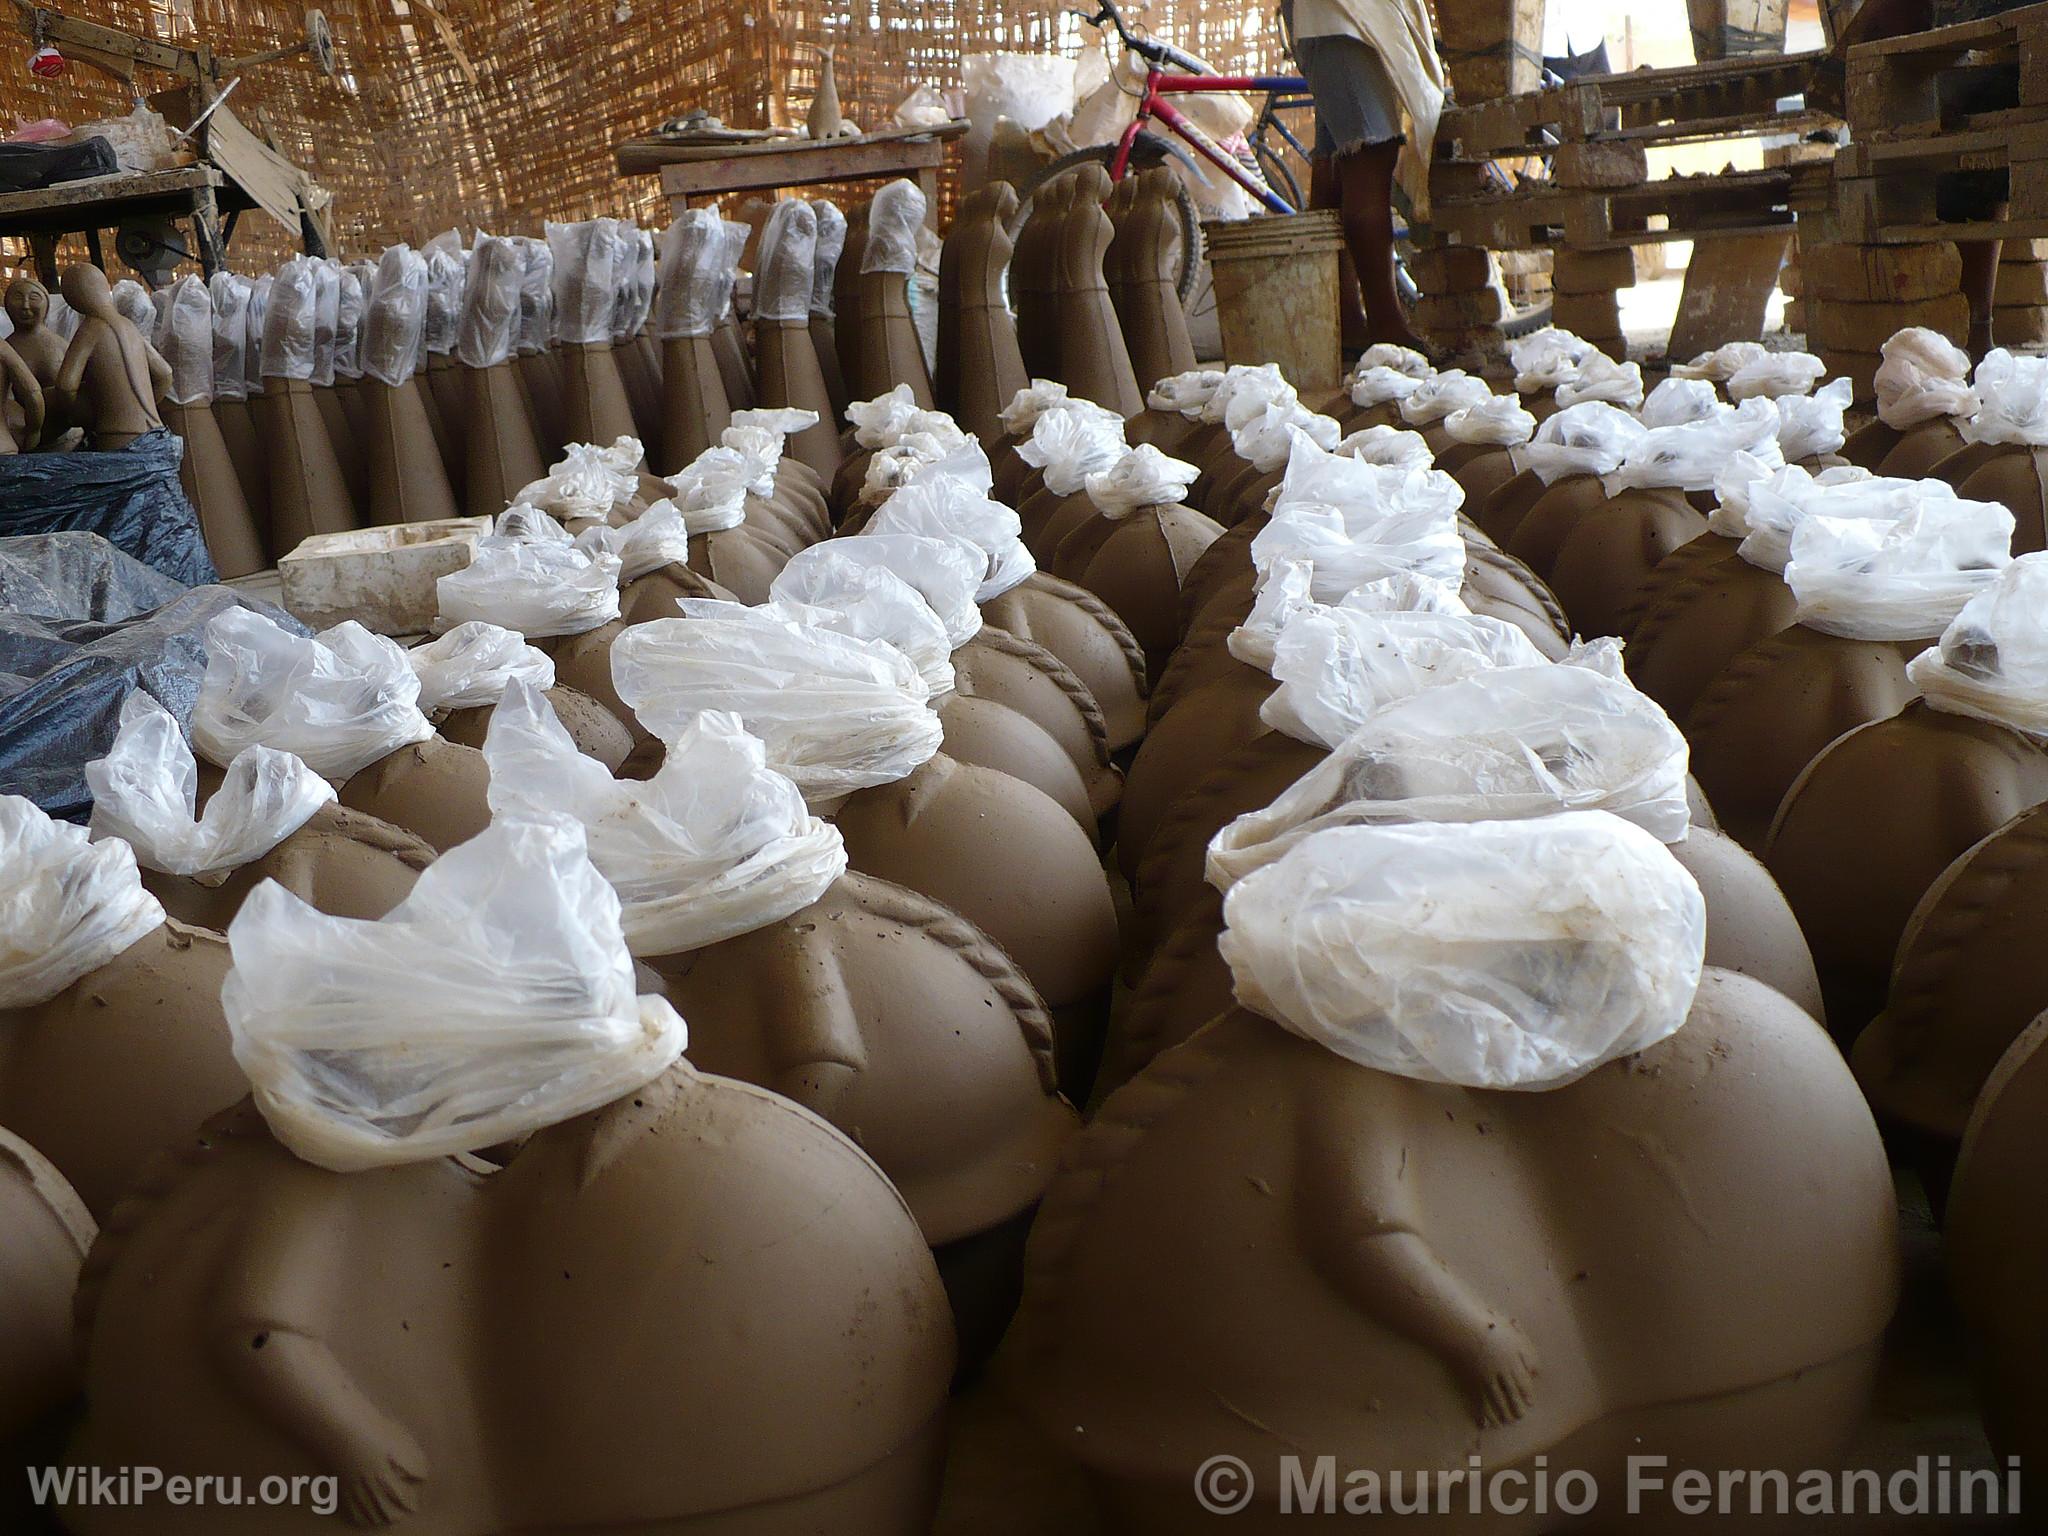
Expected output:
(47, 214)
(712, 171)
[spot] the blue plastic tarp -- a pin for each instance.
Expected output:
(130, 497)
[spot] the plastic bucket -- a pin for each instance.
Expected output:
(1276, 293)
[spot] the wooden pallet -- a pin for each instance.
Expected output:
(1730, 98)
(1679, 207)
(1908, 87)
(1886, 189)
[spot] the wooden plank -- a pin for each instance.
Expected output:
(640, 157)
(758, 172)
(271, 181)
(1727, 293)
(118, 188)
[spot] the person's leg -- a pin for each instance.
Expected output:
(1980, 284)
(1322, 194)
(1365, 190)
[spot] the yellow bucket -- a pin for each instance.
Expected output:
(1276, 293)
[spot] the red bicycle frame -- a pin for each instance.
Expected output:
(1159, 85)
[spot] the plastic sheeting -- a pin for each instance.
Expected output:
(130, 497)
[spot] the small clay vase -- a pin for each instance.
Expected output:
(1872, 823)
(1740, 1326)
(1023, 675)
(1145, 260)
(1776, 706)
(501, 453)
(308, 492)
(208, 474)
(1610, 551)
(980, 366)
(433, 789)
(408, 482)
(595, 406)
(45, 1232)
(1138, 570)
(1087, 635)
(1709, 606)
(792, 1357)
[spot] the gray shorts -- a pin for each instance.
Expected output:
(1356, 104)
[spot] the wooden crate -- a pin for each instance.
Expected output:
(1887, 190)
(1907, 87)
(1686, 208)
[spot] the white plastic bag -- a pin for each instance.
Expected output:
(836, 714)
(326, 314)
(1811, 425)
(259, 306)
(146, 792)
(657, 537)
(1501, 745)
(1376, 386)
(70, 905)
(1547, 358)
(445, 280)
(1872, 579)
(1284, 594)
(831, 245)
(2012, 395)
(879, 422)
(489, 327)
(1387, 354)
(692, 295)
(895, 214)
(351, 301)
(531, 525)
(715, 845)
(785, 263)
(1599, 377)
(1070, 445)
(1184, 393)
(1992, 660)
(537, 589)
(1924, 375)
(831, 586)
(1142, 477)
(1588, 439)
(586, 279)
(945, 572)
(495, 1000)
(473, 664)
(1318, 477)
(1497, 421)
(288, 322)
(187, 342)
(1391, 446)
(340, 699)
(1723, 363)
(1440, 395)
(1510, 955)
(1677, 401)
(1021, 414)
(937, 505)
(711, 490)
(1267, 440)
(1337, 665)
(230, 295)
(1776, 375)
(1689, 457)
(394, 316)
(536, 296)
(1772, 505)
(587, 481)
(1245, 391)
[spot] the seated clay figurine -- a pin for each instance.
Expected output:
(19, 391)
(869, 1004)
(299, 1288)
(1423, 1256)
(112, 1042)
(32, 338)
(47, 1231)
(110, 377)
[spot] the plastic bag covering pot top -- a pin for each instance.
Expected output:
(1787, 492)
(1690, 456)
(1547, 358)
(229, 294)
(1386, 354)
(1376, 386)
(1386, 445)
(1245, 391)
(586, 278)
(946, 573)
(1337, 665)
(1183, 393)
(1284, 595)
(1442, 394)
(1924, 376)
(145, 791)
(1317, 477)
(340, 699)
(715, 845)
(494, 1001)
(2012, 401)
(963, 459)
(1039, 395)
(1143, 477)
(785, 265)
(894, 217)
(657, 537)
(1992, 660)
(941, 506)
(393, 318)
(782, 421)
(473, 664)
(536, 295)
(349, 303)
(711, 490)
(444, 300)
(326, 317)
(131, 300)
(1903, 580)
(531, 525)
(588, 480)
(186, 342)
(1811, 425)
(1588, 439)
(879, 422)
(825, 255)
(1498, 421)
(489, 329)
(1777, 374)
(70, 906)
(1512, 955)
(1677, 401)
(836, 714)
(1723, 363)
(259, 305)
(646, 276)
(868, 601)
(1599, 377)
(288, 322)
(537, 589)
(132, 498)
(1070, 445)
(898, 464)
(1267, 440)
(736, 237)
(1503, 745)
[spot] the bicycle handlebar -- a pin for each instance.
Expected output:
(1147, 48)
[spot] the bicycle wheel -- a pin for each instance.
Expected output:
(1279, 175)
(1150, 150)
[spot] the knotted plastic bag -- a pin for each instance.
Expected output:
(1507, 955)
(879, 422)
(1676, 401)
(350, 302)
(445, 281)
(146, 792)
(692, 295)
(946, 572)
(1776, 375)
(1879, 579)
(1688, 457)
(1723, 363)
(898, 464)
(1500, 745)
(1184, 393)
(1143, 477)
(1441, 394)
(289, 321)
(1547, 358)
(1924, 376)
(831, 245)
(1377, 386)
(488, 331)
(1336, 665)
(895, 215)
(1284, 594)
(785, 263)
(711, 490)
(1599, 377)
(396, 312)
(1245, 391)
(1318, 477)
(531, 524)
(230, 295)
(1406, 527)
(1069, 445)
(1786, 492)
(657, 537)
(2012, 396)
(588, 481)
(586, 278)
(938, 505)
(1779, 502)
(715, 845)
(1992, 660)
(836, 714)
(1267, 440)
(340, 699)
(1386, 446)
(70, 905)
(497, 999)
(1497, 421)
(1811, 425)
(1588, 439)
(1019, 416)
(831, 586)
(473, 664)
(186, 342)
(1387, 354)
(538, 588)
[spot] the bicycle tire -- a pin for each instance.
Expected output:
(1104, 155)
(1526, 322)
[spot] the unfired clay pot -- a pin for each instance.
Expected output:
(992, 735)
(596, 731)
(979, 368)
(1611, 549)
(1143, 263)
(343, 862)
(1026, 677)
(1705, 606)
(698, 1308)
(1387, 1251)
(1087, 635)
(501, 451)
(433, 788)
(408, 483)
(1138, 570)
(215, 490)
(308, 492)
(1872, 823)
(45, 1231)
(1918, 450)
(1540, 531)
(2012, 474)
(1480, 468)
(594, 399)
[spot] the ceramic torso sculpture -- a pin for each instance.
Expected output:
(109, 379)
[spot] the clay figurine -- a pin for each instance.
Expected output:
(786, 361)
(109, 379)
(308, 488)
